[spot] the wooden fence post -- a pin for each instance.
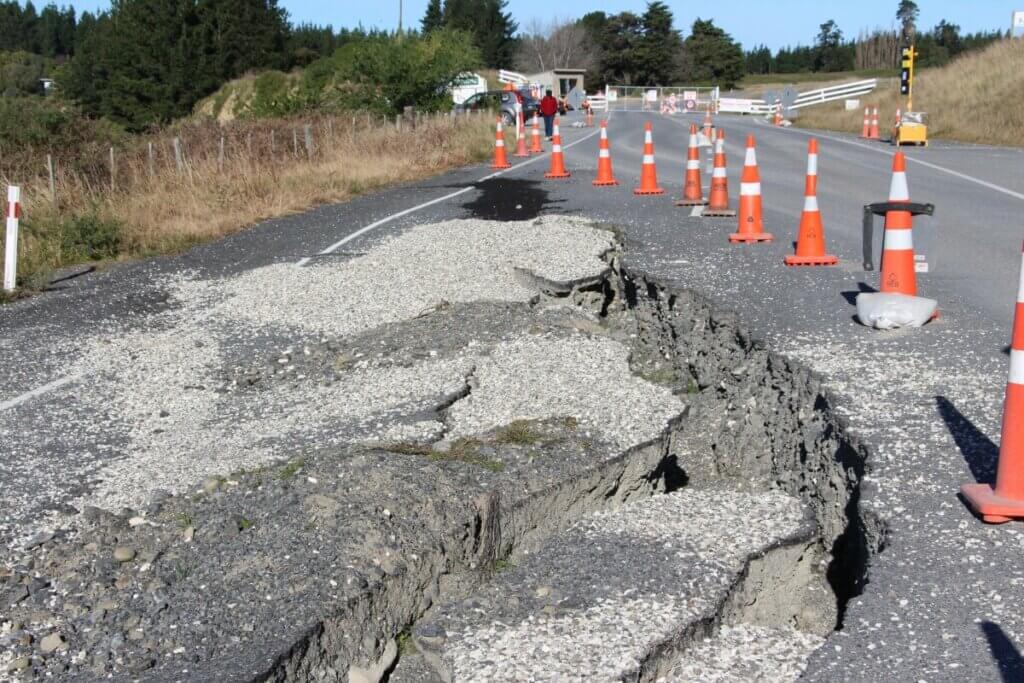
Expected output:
(220, 155)
(273, 145)
(295, 141)
(179, 161)
(308, 134)
(53, 180)
(152, 168)
(113, 171)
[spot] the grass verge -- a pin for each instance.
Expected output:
(975, 98)
(230, 177)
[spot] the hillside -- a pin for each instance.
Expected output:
(975, 98)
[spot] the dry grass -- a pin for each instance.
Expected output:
(265, 171)
(975, 98)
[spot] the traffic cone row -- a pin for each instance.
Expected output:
(521, 139)
(692, 193)
(557, 157)
(810, 245)
(500, 155)
(604, 160)
(751, 223)
(648, 170)
(1005, 500)
(535, 147)
(865, 132)
(873, 134)
(718, 199)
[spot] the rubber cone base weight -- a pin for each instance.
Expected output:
(993, 508)
(501, 165)
(557, 175)
(759, 237)
(691, 202)
(649, 192)
(605, 183)
(825, 260)
(719, 213)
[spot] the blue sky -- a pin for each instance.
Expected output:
(772, 22)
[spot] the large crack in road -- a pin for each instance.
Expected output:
(597, 426)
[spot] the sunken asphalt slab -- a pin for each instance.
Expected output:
(941, 602)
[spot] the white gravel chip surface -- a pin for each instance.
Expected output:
(156, 394)
(589, 379)
(743, 653)
(681, 552)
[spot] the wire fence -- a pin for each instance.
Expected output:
(664, 100)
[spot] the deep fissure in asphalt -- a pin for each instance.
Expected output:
(755, 419)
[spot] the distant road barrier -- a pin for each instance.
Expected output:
(733, 105)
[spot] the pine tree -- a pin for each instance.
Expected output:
(906, 14)
(659, 49)
(492, 28)
(433, 18)
(712, 55)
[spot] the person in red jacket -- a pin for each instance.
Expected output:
(548, 109)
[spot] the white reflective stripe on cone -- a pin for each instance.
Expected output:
(900, 239)
(648, 158)
(692, 164)
(719, 172)
(556, 149)
(749, 189)
(1016, 367)
(499, 143)
(647, 137)
(719, 146)
(812, 164)
(693, 141)
(603, 154)
(898, 190)
(810, 203)
(751, 158)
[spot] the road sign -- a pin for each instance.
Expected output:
(691, 105)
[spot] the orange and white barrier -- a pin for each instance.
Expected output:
(693, 194)
(718, 198)
(557, 169)
(605, 176)
(500, 155)
(1005, 501)
(648, 170)
(810, 244)
(751, 223)
(535, 147)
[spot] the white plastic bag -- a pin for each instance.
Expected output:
(888, 311)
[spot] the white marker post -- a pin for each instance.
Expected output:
(11, 253)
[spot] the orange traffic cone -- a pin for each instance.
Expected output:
(865, 132)
(707, 124)
(692, 193)
(521, 139)
(604, 160)
(648, 171)
(777, 120)
(718, 201)
(896, 126)
(810, 243)
(500, 157)
(535, 147)
(874, 134)
(1005, 501)
(751, 225)
(557, 158)
(590, 118)
(898, 274)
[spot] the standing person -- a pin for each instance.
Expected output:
(548, 109)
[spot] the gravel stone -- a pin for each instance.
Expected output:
(741, 653)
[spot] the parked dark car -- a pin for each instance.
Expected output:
(500, 101)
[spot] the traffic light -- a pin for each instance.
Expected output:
(907, 70)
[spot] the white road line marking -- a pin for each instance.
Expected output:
(889, 152)
(697, 211)
(367, 228)
(38, 391)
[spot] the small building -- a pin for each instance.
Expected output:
(560, 81)
(466, 85)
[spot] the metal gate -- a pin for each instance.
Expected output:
(659, 99)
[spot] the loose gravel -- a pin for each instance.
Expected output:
(743, 653)
(596, 601)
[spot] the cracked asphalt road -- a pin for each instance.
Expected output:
(942, 601)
